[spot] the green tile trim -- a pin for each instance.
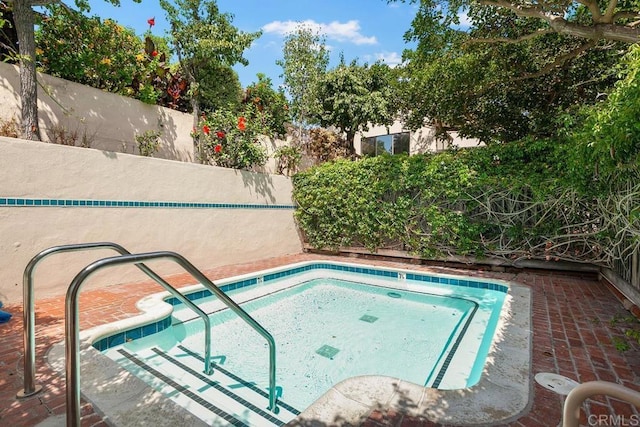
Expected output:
(91, 203)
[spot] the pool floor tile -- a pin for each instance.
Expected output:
(369, 319)
(327, 351)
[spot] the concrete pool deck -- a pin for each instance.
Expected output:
(573, 335)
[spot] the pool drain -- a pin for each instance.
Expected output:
(555, 382)
(394, 294)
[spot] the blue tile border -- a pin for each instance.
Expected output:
(142, 331)
(132, 334)
(92, 203)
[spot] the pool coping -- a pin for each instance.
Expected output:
(502, 394)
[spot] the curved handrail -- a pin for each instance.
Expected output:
(28, 309)
(72, 349)
(571, 409)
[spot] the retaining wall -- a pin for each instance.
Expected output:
(53, 195)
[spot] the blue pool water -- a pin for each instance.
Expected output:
(329, 329)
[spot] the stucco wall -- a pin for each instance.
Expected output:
(421, 140)
(256, 222)
(108, 121)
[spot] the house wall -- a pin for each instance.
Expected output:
(421, 140)
(252, 217)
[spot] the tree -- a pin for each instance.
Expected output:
(23, 16)
(271, 106)
(219, 88)
(496, 83)
(304, 64)
(613, 20)
(504, 92)
(354, 96)
(204, 38)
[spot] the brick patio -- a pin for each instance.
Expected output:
(576, 321)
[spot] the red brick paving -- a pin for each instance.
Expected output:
(573, 333)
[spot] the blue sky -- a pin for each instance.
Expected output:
(366, 30)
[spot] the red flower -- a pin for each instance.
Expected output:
(154, 53)
(217, 148)
(206, 129)
(220, 134)
(151, 21)
(241, 123)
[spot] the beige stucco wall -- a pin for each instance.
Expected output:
(109, 121)
(206, 236)
(421, 140)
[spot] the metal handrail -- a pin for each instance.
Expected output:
(571, 409)
(28, 309)
(72, 349)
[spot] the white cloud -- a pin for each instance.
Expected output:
(342, 32)
(465, 21)
(392, 59)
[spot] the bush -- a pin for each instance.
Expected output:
(609, 140)
(230, 140)
(508, 201)
(101, 54)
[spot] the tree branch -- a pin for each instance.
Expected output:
(559, 61)
(593, 7)
(625, 14)
(604, 30)
(508, 40)
(609, 12)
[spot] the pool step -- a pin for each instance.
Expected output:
(218, 399)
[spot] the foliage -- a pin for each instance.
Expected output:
(288, 158)
(157, 82)
(513, 201)
(8, 35)
(611, 20)
(59, 134)
(325, 145)
(9, 128)
(148, 142)
(304, 63)
(609, 139)
(219, 87)
(630, 326)
(230, 140)
(104, 55)
(271, 105)
(89, 51)
(356, 96)
(204, 39)
(501, 92)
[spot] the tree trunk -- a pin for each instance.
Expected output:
(23, 16)
(351, 136)
(196, 122)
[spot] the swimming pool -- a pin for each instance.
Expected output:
(331, 321)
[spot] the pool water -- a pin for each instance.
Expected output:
(327, 330)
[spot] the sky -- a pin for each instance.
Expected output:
(362, 30)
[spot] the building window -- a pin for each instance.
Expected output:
(395, 143)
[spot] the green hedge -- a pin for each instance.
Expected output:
(510, 201)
